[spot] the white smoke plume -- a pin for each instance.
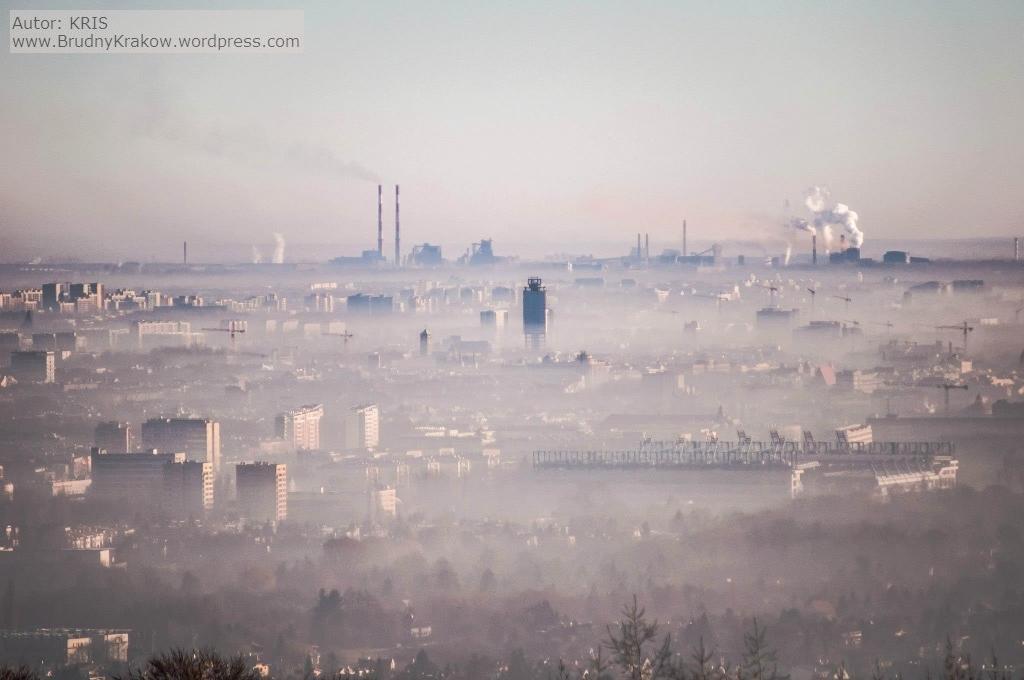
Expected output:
(789, 253)
(278, 257)
(257, 256)
(828, 214)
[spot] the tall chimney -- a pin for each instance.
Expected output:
(398, 237)
(380, 221)
(639, 252)
(184, 252)
(684, 238)
(1016, 249)
(647, 246)
(814, 249)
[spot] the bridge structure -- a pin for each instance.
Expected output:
(745, 454)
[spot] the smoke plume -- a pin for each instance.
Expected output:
(257, 257)
(278, 257)
(828, 214)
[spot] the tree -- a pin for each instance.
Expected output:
(702, 658)
(760, 661)
(21, 673)
(634, 649)
(180, 664)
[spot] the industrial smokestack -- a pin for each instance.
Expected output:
(842, 243)
(639, 252)
(184, 252)
(380, 221)
(398, 233)
(647, 246)
(684, 238)
(1016, 249)
(814, 249)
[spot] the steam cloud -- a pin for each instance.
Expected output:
(827, 214)
(278, 256)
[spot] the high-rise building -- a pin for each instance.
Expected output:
(362, 427)
(535, 312)
(113, 437)
(370, 304)
(188, 488)
(53, 295)
(198, 438)
(153, 333)
(262, 490)
(301, 427)
(424, 343)
(137, 477)
(494, 319)
(34, 366)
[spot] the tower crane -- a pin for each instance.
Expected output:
(232, 328)
(947, 387)
(845, 299)
(345, 335)
(963, 328)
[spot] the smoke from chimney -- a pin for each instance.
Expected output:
(827, 214)
(278, 256)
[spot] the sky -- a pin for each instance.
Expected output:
(547, 126)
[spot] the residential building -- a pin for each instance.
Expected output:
(301, 427)
(262, 490)
(362, 427)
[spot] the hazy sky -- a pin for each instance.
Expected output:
(546, 125)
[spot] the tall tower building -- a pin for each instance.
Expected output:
(424, 343)
(301, 426)
(535, 312)
(362, 428)
(262, 491)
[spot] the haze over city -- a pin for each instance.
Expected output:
(519, 341)
(551, 128)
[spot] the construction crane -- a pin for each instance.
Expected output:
(963, 328)
(344, 336)
(947, 387)
(233, 328)
(772, 292)
(844, 299)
